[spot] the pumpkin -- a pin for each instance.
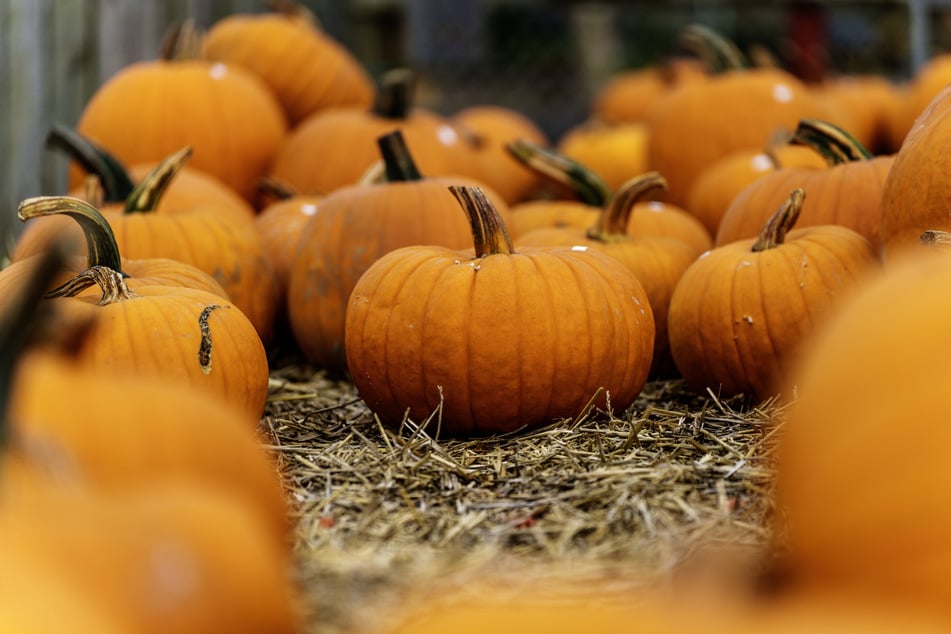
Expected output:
(334, 148)
(847, 193)
(656, 261)
(615, 152)
(870, 102)
(739, 313)
(736, 108)
(150, 109)
(863, 469)
(711, 193)
(306, 69)
(647, 218)
(159, 559)
(221, 245)
(355, 226)
(928, 82)
(916, 192)
(491, 340)
(488, 129)
(187, 335)
(63, 423)
(629, 96)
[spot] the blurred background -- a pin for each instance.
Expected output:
(545, 59)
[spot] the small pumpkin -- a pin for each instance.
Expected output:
(740, 313)
(628, 96)
(306, 69)
(152, 108)
(351, 229)
(615, 152)
(848, 192)
(491, 340)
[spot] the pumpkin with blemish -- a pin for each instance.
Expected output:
(740, 312)
(491, 340)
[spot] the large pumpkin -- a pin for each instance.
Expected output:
(734, 109)
(150, 109)
(491, 340)
(917, 190)
(353, 227)
(740, 312)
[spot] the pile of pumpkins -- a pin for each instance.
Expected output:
(255, 188)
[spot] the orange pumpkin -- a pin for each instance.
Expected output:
(351, 229)
(740, 312)
(335, 148)
(869, 101)
(150, 109)
(924, 87)
(493, 339)
(863, 466)
(714, 189)
(306, 69)
(847, 193)
(629, 96)
(656, 261)
(734, 109)
(916, 192)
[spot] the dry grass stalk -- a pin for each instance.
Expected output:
(622, 497)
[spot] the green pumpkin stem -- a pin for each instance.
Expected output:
(100, 239)
(719, 53)
(397, 160)
(587, 185)
(395, 97)
(18, 324)
(774, 232)
(489, 235)
(115, 180)
(833, 143)
(147, 194)
(613, 219)
(275, 189)
(110, 282)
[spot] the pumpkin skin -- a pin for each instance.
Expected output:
(928, 82)
(738, 316)
(352, 228)
(306, 69)
(847, 194)
(915, 194)
(854, 524)
(280, 226)
(629, 96)
(504, 341)
(228, 115)
(714, 189)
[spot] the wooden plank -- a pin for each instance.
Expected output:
(128, 32)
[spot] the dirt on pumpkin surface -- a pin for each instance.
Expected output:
(621, 499)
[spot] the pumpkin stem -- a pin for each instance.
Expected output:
(613, 219)
(489, 235)
(587, 185)
(397, 160)
(292, 9)
(19, 323)
(182, 41)
(275, 189)
(113, 286)
(147, 194)
(935, 238)
(719, 53)
(832, 142)
(100, 239)
(115, 180)
(774, 232)
(395, 98)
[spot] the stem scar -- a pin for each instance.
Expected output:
(204, 349)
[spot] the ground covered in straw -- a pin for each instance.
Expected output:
(625, 497)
